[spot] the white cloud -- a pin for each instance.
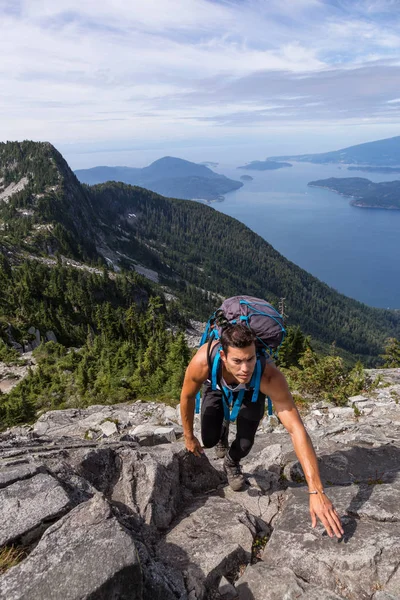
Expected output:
(154, 69)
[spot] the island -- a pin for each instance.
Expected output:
(265, 165)
(246, 178)
(169, 176)
(364, 193)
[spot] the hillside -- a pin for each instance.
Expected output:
(364, 193)
(172, 177)
(193, 250)
(379, 153)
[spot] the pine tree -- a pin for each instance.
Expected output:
(391, 355)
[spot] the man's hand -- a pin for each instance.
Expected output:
(193, 445)
(322, 507)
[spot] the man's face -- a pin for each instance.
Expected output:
(240, 362)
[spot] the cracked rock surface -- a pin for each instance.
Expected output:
(107, 504)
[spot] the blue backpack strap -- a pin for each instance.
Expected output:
(198, 401)
(236, 406)
(214, 371)
(270, 411)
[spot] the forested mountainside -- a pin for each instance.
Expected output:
(192, 248)
(218, 253)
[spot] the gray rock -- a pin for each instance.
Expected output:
(149, 484)
(356, 566)
(226, 590)
(13, 473)
(210, 542)
(108, 428)
(51, 336)
(163, 435)
(86, 555)
(28, 506)
(263, 582)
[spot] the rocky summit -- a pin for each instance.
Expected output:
(106, 503)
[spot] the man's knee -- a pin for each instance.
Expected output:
(245, 446)
(210, 439)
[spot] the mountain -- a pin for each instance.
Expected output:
(192, 252)
(379, 153)
(265, 165)
(364, 193)
(43, 207)
(171, 177)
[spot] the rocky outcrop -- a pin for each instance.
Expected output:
(130, 514)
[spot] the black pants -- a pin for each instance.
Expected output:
(248, 419)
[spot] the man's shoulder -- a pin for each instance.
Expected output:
(270, 368)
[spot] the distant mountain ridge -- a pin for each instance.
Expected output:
(384, 152)
(169, 176)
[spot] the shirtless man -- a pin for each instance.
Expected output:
(238, 361)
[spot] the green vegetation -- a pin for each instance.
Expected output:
(325, 377)
(391, 354)
(132, 356)
(11, 556)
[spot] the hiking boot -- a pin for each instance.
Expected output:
(222, 446)
(234, 474)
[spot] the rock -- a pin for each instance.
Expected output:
(226, 590)
(163, 435)
(108, 428)
(11, 474)
(148, 483)
(367, 556)
(86, 555)
(210, 542)
(263, 582)
(51, 336)
(170, 414)
(29, 506)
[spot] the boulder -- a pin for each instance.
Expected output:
(28, 506)
(211, 540)
(86, 555)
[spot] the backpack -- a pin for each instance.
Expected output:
(268, 327)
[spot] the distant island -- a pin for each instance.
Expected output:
(169, 176)
(246, 178)
(379, 153)
(265, 165)
(387, 170)
(364, 193)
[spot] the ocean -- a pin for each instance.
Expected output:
(354, 250)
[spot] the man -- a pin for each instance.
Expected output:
(238, 362)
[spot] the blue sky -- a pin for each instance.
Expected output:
(119, 82)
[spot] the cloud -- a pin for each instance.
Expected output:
(174, 69)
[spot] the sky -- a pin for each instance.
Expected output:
(125, 82)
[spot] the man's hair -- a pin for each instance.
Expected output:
(237, 336)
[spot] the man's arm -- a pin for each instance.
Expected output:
(195, 375)
(274, 384)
